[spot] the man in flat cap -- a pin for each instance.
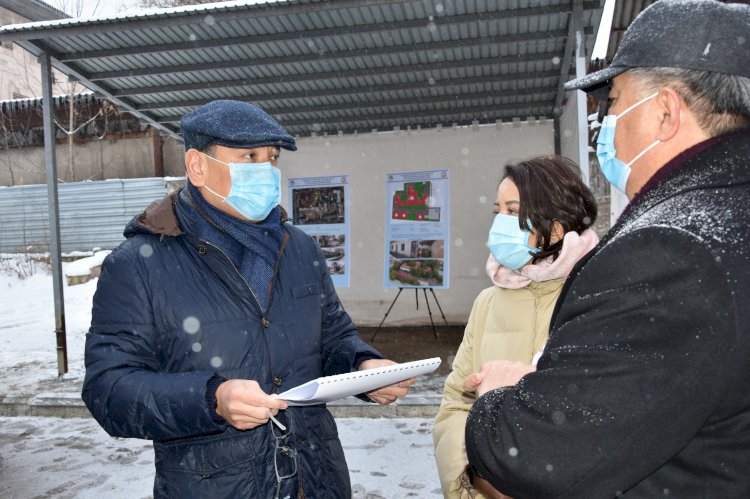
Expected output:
(213, 305)
(643, 389)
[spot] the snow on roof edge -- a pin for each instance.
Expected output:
(139, 14)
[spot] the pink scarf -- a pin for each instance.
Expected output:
(574, 247)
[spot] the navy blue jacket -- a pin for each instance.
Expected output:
(171, 311)
(643, 388)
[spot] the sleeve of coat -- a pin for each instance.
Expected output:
(632, 370)
(342, 347)
(450, 422)
(123, 387)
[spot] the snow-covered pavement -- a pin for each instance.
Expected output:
(76, 459)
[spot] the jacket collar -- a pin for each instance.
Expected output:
(159, 218)
(714, 163)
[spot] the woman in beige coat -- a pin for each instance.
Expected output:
(543, 215)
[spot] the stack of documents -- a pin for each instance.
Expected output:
(330, 388)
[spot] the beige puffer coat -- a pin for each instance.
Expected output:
(510, 324)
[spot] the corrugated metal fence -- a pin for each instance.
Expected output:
(92, 214)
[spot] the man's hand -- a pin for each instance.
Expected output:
(244, 405)
(387, 394)
(496, 373)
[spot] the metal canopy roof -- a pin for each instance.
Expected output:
(323, 66)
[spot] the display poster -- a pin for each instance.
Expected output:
(320, 207)
(417, 249)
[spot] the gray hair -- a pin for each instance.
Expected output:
(720, 102)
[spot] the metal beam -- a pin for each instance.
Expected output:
(423, 103)
(570, 43)
(429, 68)
(400, 49)
(431, 122)
(487, 112)
(402, 127)
(54, 215)
(581, 112)
(508, 111)
(439, 85)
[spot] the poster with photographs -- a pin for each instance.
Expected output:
(320, 207)
(417, 252)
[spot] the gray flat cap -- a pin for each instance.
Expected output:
(704, 35)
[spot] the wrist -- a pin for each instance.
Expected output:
(212, 386)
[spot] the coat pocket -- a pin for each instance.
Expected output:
(213, 466)
(304, 290)
(305, 311)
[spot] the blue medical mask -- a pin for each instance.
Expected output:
(509, 243)
(255, 189)
(615, 171)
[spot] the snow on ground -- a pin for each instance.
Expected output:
(28, 358)
(75, 458)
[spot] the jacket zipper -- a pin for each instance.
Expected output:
(264, 320)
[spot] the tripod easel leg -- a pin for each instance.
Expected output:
(429, 311)
(386, 314)
(438, 305)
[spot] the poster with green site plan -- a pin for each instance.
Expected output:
(417, 253)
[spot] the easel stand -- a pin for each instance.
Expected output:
(416, 297)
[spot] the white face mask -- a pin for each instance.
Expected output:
(615, 171)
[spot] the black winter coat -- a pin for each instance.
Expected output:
(643, 390)
(169, 312)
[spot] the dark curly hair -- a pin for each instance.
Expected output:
(551, 190)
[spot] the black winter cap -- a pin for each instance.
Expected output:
(235, 124)
(704, 35)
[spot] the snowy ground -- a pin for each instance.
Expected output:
(75, 458)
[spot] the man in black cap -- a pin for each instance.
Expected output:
(211, 306)
(643, 388)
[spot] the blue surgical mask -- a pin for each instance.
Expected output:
(509, 243)
(255, 189)
(615, 171)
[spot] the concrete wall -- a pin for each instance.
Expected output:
(93, 160)
(473, 155)
(131, 157)
(174, 158)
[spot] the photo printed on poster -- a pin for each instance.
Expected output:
(417, 253)
(319, 206)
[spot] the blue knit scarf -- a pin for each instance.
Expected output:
(252, 247)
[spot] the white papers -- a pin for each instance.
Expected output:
(330, 388)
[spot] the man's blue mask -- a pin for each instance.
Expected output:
(615, 171)
(255, 189)
(509, 243)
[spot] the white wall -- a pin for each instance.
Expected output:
(473, 155)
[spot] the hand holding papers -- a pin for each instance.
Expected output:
(330, 388)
